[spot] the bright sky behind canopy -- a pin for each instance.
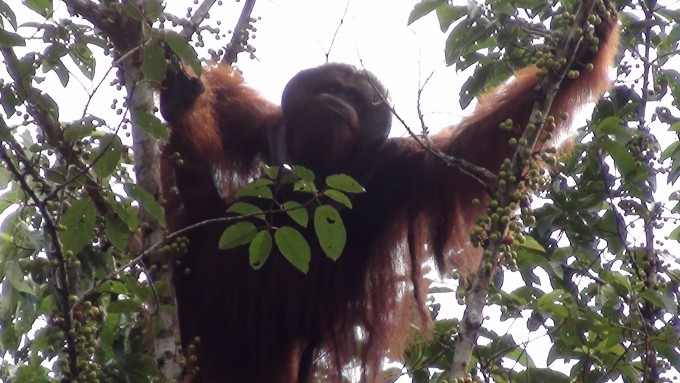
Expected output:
(294, 35)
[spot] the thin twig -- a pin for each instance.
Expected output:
(337, 30)
(236, 44)
(62, 284)
(477, 294)
(51, 128)
(201, 14)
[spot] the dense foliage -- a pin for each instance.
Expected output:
(587, 273)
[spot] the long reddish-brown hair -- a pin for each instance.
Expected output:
(277, 324)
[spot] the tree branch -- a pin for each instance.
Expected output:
(473, 316)
(51, 128)
(62, 285)
(126, 34)
(238, 38)
(196, 20)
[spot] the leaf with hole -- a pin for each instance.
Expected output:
(330, 230)
(259, 249)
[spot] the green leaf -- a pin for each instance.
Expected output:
(338, 196)
(456, 42)
(107, 156)
(506, 347)
(151, 125)
(117, 232)
(133, 11)
(82, 128)
(258, 188)
(669, 350)
(304, 173)
(447, 14)
(185, 51)
(124, 306)
(9, 100)
(305, 187)
(237, 234)
(541, 375)
(42, 7)
(531, 244)
(10, 39)
(82, 56)
(148, 202)
(154, 65)
(609, 227)
(330, 230)
(301, 178)
(675, 234)
(246, 209)
(259, 249)
(624, 161)
(137, 366)
(46, 103)
(31, 373)
(673, 148)
(612, 126)
(297, 212)
(153, 9)
(619, 282)
(669, 13)
(660, 300)
(116, 287)
(79, 221)
(670, 42)
(483, 77)
(8, 14)
(423, 8)
(272, 172)
(126, 212)
(5, 178)
(344, 183)
(15, 276)
(463, 38)
(294, 247)
(506, 8)
(61, 71)
(551, 302)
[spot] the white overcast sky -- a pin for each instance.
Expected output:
(294, 35)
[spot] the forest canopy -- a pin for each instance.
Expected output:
(579, 278)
